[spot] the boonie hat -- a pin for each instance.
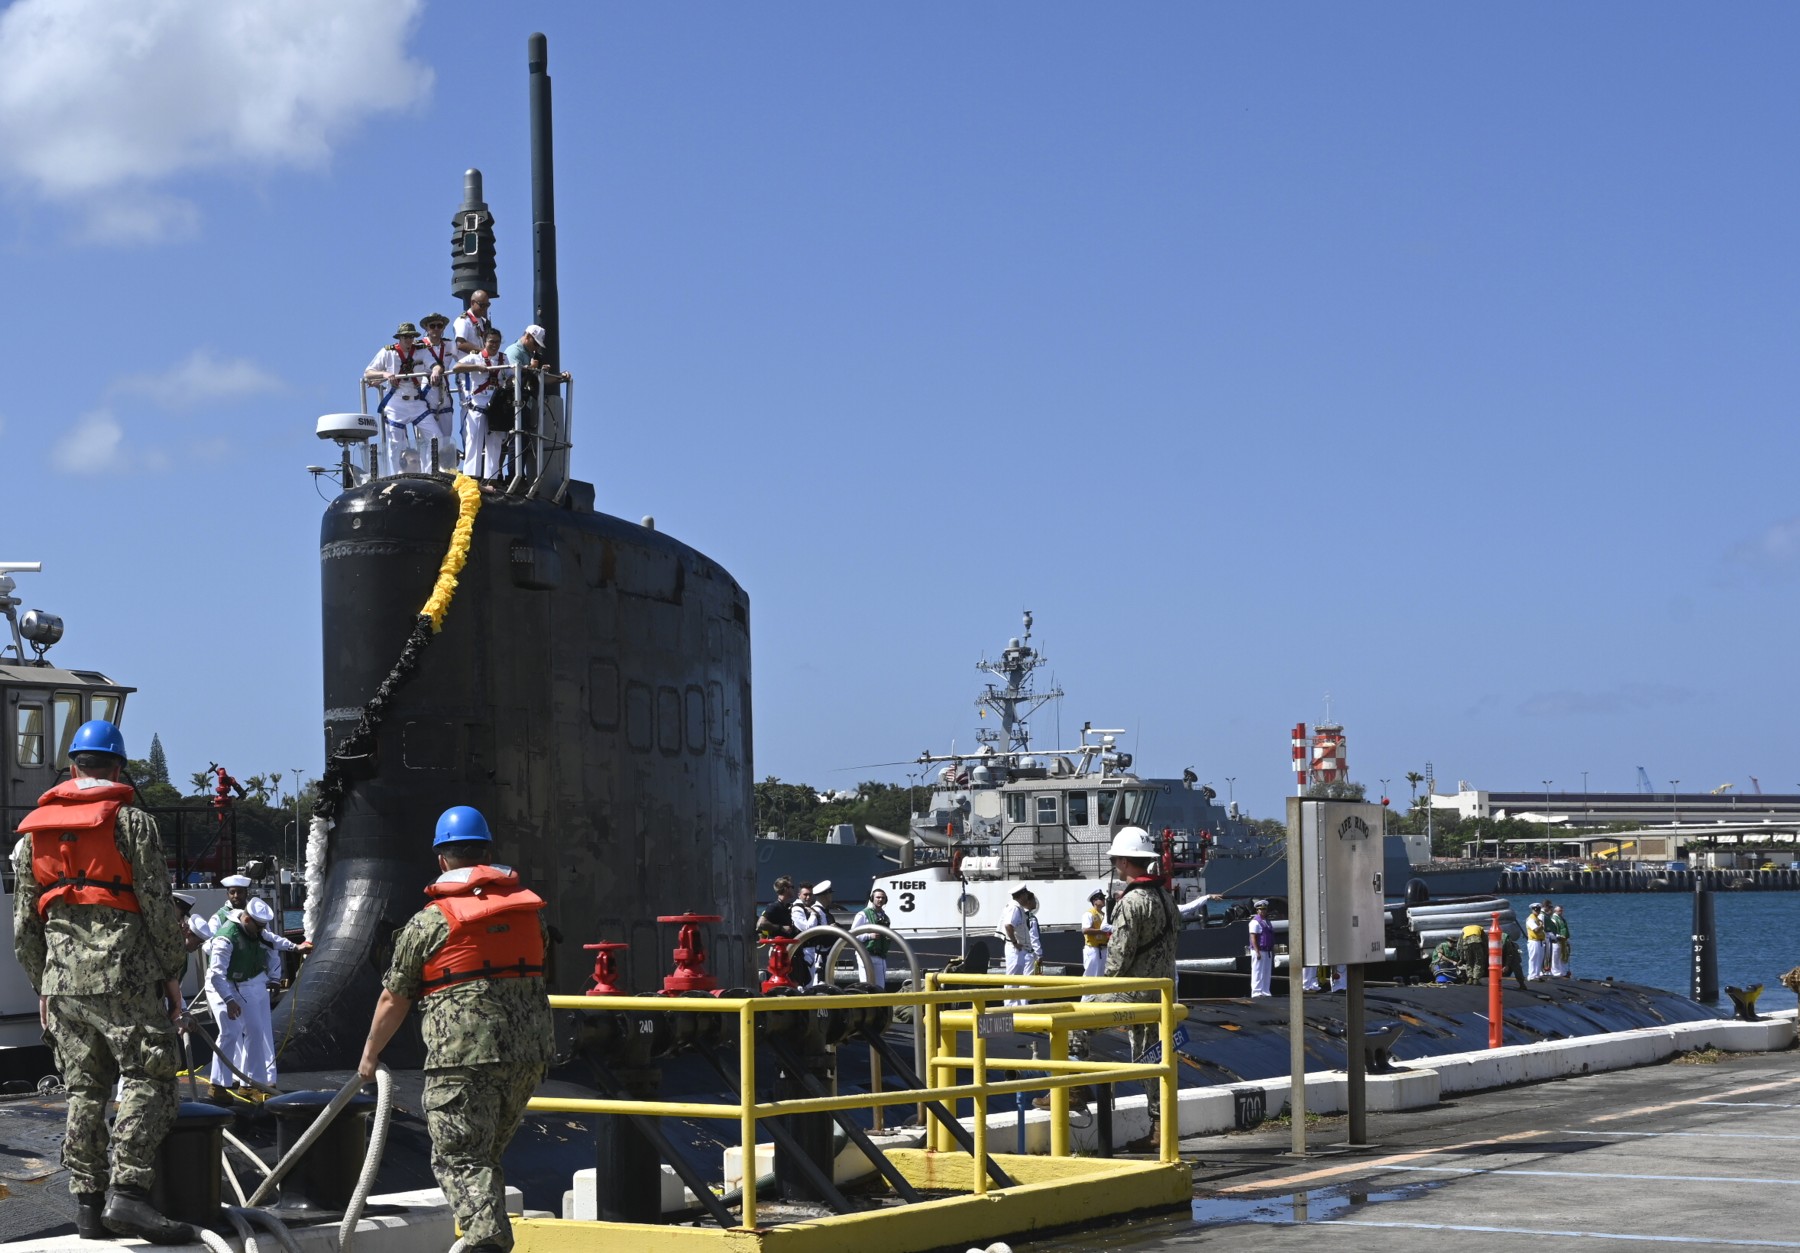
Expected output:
(404, 329)
(429, 318)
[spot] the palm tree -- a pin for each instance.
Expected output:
(1413, 779)
(275, 782)
(202, 781)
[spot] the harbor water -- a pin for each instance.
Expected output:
(1646, 937)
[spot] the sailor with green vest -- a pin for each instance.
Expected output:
(474, 959)
(876, 944)
(239, 970)
(237, 897)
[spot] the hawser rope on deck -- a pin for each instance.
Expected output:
(360, 741)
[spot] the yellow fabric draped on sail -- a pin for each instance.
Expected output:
(468, 493)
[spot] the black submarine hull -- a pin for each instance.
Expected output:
(589, 693)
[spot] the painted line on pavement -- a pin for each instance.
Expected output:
(1691, 1101)
(1546, 1231)
(1753, 1104)
(1588, 1174)
(1692, 1135)
(1287, 1182)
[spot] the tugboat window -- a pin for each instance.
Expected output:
(1046, 811)
(31, 735)
(1015, 807)
(104, 707)
(1138, 803)
(65, 716)
(1104, 804)
(1078, 809)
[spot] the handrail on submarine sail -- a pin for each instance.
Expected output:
(539, 453)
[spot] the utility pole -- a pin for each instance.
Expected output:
(1231, 789)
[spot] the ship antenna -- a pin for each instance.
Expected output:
(543, 197)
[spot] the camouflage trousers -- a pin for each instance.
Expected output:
(101, 1040)
(1142, 1037)
(471, 1113)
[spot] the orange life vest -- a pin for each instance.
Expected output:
(494, 932)
(74, 857)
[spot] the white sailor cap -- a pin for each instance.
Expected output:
(261, 910)
(235, 881)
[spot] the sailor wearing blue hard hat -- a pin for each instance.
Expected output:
(475, 956)
(90, 871)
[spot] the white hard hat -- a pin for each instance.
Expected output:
(261, 910)
(1133, 842)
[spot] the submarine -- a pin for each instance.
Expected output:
(585, 684)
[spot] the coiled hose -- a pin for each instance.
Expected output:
(365, 1182)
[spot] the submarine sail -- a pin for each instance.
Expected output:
(589, 692)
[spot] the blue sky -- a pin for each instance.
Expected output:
(1439, 358)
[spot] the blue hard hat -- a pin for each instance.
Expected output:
(461, 824)
(97, 737)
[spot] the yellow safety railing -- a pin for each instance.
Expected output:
(952, 1005)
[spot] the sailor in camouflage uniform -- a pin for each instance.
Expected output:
(96, 930)
(475, 956)
(1146, 927)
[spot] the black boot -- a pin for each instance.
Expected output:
(87, 1216)
(129, 1213)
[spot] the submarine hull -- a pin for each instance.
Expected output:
(589, 693)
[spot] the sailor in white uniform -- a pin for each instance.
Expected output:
(1534, 942)
(484, 377)
(1262, 951)
(1019, 929)
(410, 397)
(237, 896)
(239, 968)
(1096, 935)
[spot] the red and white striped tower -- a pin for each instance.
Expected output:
(1301, 761)
(1329, 764)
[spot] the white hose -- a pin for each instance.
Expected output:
(365, 1182)
(214, 1241)
(241, 1225)
(237, 1189)
(277, 1228)
(248, 1152)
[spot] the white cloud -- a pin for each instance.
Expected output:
(94, 445)
(203, 378)
(1777, 547)
(103, 100)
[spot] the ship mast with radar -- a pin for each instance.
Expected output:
(1016, 702)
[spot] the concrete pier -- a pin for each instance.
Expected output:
(1685, 1154)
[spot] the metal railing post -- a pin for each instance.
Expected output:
(978, 1053)
(1059, 1097)
(747, 1108)
(934, 1129)
(1170, 1124)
